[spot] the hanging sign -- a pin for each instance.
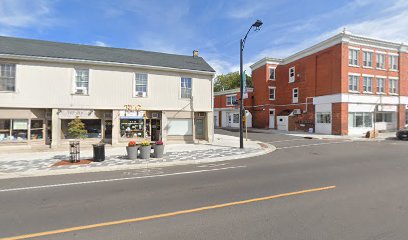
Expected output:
(73, 113)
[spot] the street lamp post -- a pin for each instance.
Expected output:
(257, 26)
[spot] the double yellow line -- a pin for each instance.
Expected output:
(170, 214)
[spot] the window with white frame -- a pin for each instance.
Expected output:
(393, 62)
(380, 85)
(291, 74)
(7, 77)
(295, 95)
(360, 119)
(353, 57)
(231, 100)
(368, 84)
(380, 61)
(367, 59)
(323, 117)
(81, 81)
(272, 92)
(141, 85)
(271, 73)
(186, 84)
(354, 83)
(393, 86)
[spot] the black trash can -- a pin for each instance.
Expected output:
(98, 152)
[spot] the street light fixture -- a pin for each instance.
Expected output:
(257, 25)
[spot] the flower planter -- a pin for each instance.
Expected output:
(158, 150)
(132, 152)
(145, 152)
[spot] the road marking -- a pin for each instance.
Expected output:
(163, 215)
(289, 140)
(313, 144)
(117, 179)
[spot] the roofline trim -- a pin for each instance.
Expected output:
(103, 63)
(230, 91)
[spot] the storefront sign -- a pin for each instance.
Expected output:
(132, 115)
(20, 124)
(73, 113)
(387, 108)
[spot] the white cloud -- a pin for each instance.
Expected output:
(100, 44)
(24, 13)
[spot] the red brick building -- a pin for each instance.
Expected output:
(347, 84)
(226, 108)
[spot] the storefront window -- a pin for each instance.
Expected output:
(406, 118)
(5, 129)
(20, 129)
(37, 129)
(383, 117)
(132, 128)
(92, 126)
(360, 120)
(323, 117)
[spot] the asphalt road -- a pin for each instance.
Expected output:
(369, 201)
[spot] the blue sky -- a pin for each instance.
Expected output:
(214, 27)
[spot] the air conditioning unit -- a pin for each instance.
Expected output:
(155, 115)
(81, 90)
(140, 94)
(297, 111)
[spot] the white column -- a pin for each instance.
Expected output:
(56, 128)
(115, 127)
(164, 127)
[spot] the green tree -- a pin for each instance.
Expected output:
(230, 81)
(76, 129)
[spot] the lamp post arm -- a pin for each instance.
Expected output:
(244, 39)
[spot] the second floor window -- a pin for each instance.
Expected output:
(292, 74)
(368, 84)
(367, 59)
(272, 92)
(141, 85)
(271, 73)
(380, 61)
(353, 83)
(8, 77)
(295, 95)
(231, 100)
(186, 87)
(380, 85)
(353, 57)
(81, 81)
(394, 86)
(393, 62)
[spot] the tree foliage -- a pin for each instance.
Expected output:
(76, 129)
(230, 81)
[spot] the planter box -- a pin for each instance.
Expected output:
(132, 152)
(145, 152)
(158, 151)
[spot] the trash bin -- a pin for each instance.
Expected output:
(98, 152)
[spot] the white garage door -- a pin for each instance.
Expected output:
(180, 127)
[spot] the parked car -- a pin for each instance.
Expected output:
(402, 134)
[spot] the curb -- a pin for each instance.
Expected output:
(265, 149)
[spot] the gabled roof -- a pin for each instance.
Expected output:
(57, 50)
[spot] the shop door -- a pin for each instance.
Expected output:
(108, 129)
(199, 128)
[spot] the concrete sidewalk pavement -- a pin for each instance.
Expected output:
(29, 164)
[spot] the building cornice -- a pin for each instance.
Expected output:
(264, 61)
(101, 63)
(341, 38)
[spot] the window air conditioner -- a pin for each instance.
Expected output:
(81, 90)
(140, 94)
(297, 112)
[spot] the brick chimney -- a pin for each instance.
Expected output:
(195, 53)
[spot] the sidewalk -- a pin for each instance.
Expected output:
(381, 136)
(224, 148)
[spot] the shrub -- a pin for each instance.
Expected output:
(76, 129)
(145, 143)
(160, 142)
(132, 144)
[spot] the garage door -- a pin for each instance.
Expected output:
(180, 127)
